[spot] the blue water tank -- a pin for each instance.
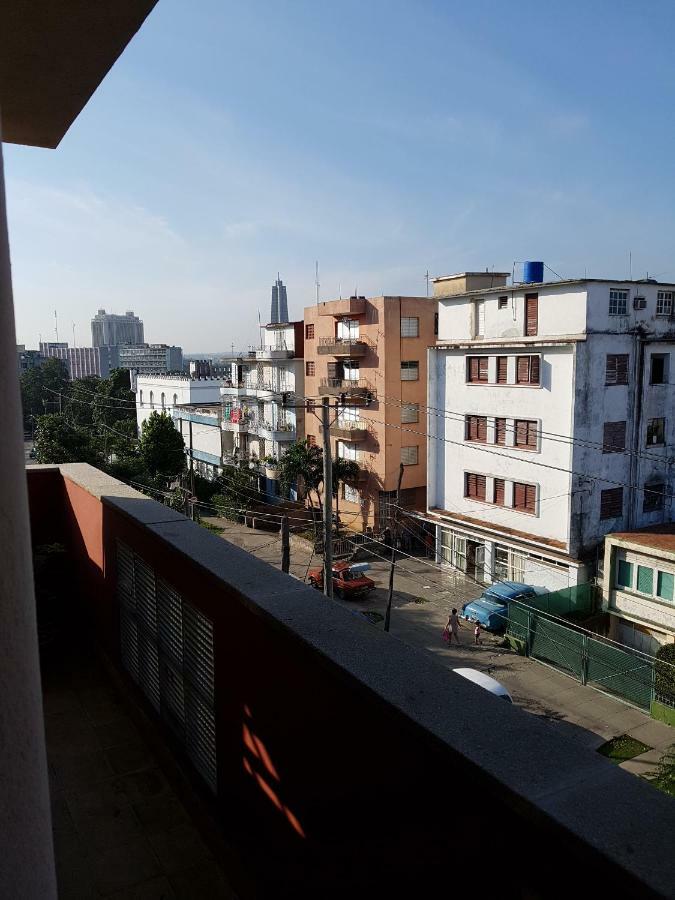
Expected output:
(533, 272)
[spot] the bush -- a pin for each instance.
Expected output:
(665, 673)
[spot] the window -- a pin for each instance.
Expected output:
(500, 431)
(453, 549)
(436, 324)
(477, 368)
(175, 399)
(659, 368)
(502, 369)
(498, 492)
(527, 370)
(346, 450)
(351, 370)
(410, 370)
(653, 496)
(616, 368)
(508, 564)
(410, 456)
(664, 303)
(531, 314)
(645, 580)
(348, 330)
(410, 326)
(476, 428)
(350, 494)
(611, 503)
(479, 318)
(624, 574)
(309, 332)
(656, 432)
(618, 303)
(141, 397)
(410, 412)
(152, 400)
(311, 440)
(502, 303)
(310, 367)
(665, 585)
(474, 486)
(614, 437)
(526, 434)
(163, 398)
(524, 497)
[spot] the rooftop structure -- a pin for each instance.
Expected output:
(110, 329)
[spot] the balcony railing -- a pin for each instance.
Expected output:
(343, 347)
(260, 689)
(349, 430)
(355, 388)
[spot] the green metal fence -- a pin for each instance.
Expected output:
(599, 663)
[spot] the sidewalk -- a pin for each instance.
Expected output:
(423, 598)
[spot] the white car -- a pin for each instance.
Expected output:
(485, 681)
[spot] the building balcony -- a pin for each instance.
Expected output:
(240, 427)
(202, 711)
(240, 389)
(355, 389)
(276, 432)
(350, 349)
(352, 306)
(349, 431)
(273, 353)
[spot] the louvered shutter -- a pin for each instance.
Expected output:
(470, 487)
(502, 369)
(523, 370)
(499, 486)
(470, 428)
(530, 497)
(622, 369)
(198, 661)
(500, 431)
(614, 437)
(125, 575)
(483, 368)
(518, 495)
(148, 667)
(532, 313)
(480, 487)
(611, 503)
(481, 428)
(521, 433)
(534, 370)
(473, 368)
(129, 643)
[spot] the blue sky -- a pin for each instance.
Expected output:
(235, 140)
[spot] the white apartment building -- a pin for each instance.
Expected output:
(161, 393)
(255, 424)
(200, 427)
(639, 587)
(551, 421)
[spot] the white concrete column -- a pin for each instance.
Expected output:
(26, 854)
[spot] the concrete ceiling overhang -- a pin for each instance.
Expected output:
(53, 56)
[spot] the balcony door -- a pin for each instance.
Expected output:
(348, 330)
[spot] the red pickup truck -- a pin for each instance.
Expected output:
(349, 582)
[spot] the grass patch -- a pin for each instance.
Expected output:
(216, 529)
(664, 776)
(621, 748)
(419, 600)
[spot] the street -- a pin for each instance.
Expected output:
(423, 598)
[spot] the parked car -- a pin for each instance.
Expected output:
(491, 608)
(485, 681)
(349, 580)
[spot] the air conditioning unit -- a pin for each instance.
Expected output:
(639, 303)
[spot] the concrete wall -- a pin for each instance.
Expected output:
(186, 390)
(341, 750)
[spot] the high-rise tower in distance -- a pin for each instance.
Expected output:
(111, 330)
(279, 302)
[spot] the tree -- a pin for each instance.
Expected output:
(305, 461)
(236, 492)
(344, 470)
(162, 447)
(43, 389)
(57, 441)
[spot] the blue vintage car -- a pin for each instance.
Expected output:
(491, 608)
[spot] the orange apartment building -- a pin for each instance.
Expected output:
(374, 347)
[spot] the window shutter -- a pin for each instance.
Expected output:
(521, 433)
(480, 487)
(523, 370)
(534, 370)
(622, 369)
(530, 497)
(481, 428)
(502, 365)
(483, 368)
(500, 431)
(611, 503)
(473, 368)
(532, 435)
(518, 495)
(470, 487)
(645, 580)
(532, 313)
(499, 491)
(614, 437)
(470, 428)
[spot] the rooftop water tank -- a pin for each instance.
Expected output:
(533, 272)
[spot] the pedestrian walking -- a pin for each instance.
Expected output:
(452, 626)
(476, 634)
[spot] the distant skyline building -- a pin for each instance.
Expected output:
(151, 359)
(279, 303)
(111, 330)
(82, 361)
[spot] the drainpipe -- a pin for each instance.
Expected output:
(27, 857)
(635, 493)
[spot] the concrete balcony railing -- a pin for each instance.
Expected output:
(336, 760)
(355, 389)
(279, 432)
(240, 427)
(237, 389)
(350, 349)
(349, 430)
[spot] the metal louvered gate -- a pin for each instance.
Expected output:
(167, 648)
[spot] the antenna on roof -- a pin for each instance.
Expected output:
(316, 280)
(56, 326)
(427, 280)
(74, 343)
(630, 265)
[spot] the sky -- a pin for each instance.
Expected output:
(385, 139)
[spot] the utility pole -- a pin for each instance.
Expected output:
(327, 501)
(285, 546)
(394, 531)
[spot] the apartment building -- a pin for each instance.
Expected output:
(200, 426)
(111, 330)
(83, 361)
(369, 356)
(256, 423)
(147, 359)
(639, 587)
(162, 393)
(550, 420)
